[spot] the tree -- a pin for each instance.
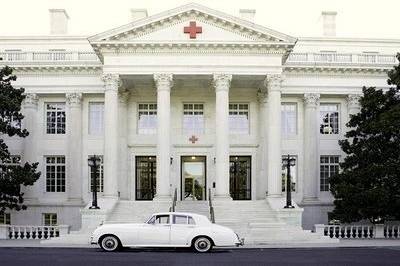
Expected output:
(368, 186)
(12, 176)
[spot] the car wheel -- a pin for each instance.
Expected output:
(202, 244)
(110, 243)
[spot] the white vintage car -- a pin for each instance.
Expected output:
(169, 229)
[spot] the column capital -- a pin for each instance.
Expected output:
(111, 81)
(353, 100)
(74, 98)
(311, 99)
(164, 81)
(262, 96)
(273, 82)
(222, 81)
(31, 100)
(123, 96)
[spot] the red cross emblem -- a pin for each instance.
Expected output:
(193, 139)
(192, 29)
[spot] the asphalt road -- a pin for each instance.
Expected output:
(300, 256)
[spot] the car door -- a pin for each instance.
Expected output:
(182, 227)
(156, 232)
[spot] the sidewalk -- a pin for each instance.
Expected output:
(343, 243)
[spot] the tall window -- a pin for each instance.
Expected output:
(55, 174)
(50, 219)
(238, 118)
(329, 166)
(5, 218)
(329, 119)
(100, 177)
(293, 175)
(193, 118)
(146, 168)
(96, 118)
(55, 114)
(7, 164)
(289, 119)
(147, 121)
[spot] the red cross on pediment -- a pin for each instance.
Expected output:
(193, 139)
(192, 29)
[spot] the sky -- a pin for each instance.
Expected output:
(299, 18)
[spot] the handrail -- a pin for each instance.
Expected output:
(175, 198)
(212, 215)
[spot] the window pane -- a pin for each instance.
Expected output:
(147, 118)
(329, 119)
(180, 219)
(55, 118)
(238, 118)
(289, 119)
(96, 118)
(329, 166)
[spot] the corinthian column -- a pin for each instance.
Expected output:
(353, 103)
(111, 83)
(221, 84)
(123, 144)
(30, 123)
(274, 149)
(74, 146)
(311, 156)
(163, 83)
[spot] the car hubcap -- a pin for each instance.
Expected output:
(109, 243)
(202, 244)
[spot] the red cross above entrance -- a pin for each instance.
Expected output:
(192, 29)
(193, 139)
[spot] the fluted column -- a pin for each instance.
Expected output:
(262, 96)
(30, 123)
(353, 103)
(74, 146)
(163, 83)
(311, 154)
(123, 144)
(222, 84)
(274, 149)
(111, 84)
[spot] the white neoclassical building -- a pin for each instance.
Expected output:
(190, 102)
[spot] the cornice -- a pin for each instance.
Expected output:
(46, 69)
(336, 70)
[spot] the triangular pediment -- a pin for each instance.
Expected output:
(169, 27)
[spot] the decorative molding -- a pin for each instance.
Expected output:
(123, 96)
(163, 81)
(262, 95)
(311, 99)
(111, 81)
(74, 99)
(273, 82)
(222, 81)
(353, 100)
(337, 70)
(31, 100)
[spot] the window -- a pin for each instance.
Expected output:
(329, 119)
(96, 118)
(240, 177)
(238, 118)
(5, 218)
(147, 122)
(162, 219)
(100, 177)
(55, 174)
(146, 169)
(50, 219)
(293, 174)
(180, 219)
(329, 166)
(7, 164)
(55, 114)
(193, 118)
(289, 119)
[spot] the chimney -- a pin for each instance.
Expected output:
(329, 23)
(58, 21)
(247, 14)
(138, 13)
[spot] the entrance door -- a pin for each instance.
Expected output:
(240, 177)
(193, 178)
(145, 177)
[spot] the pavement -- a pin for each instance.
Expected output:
(20, 256)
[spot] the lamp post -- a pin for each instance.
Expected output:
(289, 162)
(94, 162)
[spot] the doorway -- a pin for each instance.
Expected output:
(145, 177)
(193, 178)
(240, 177)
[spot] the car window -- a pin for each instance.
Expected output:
(180, 219)
(162, 219)
(151, 220)
(191, 220)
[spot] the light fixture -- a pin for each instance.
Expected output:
(170, 160)
(193, 157)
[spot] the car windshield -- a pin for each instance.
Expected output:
(151, 220)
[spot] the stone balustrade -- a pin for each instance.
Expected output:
(32, 231)
(49, 57)
(341, 59)
(366, 231)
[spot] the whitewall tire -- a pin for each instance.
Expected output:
(202, 244)
(110, 243)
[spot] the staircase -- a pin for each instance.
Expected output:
(198, 206)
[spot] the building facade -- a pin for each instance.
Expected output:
(190, 100)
